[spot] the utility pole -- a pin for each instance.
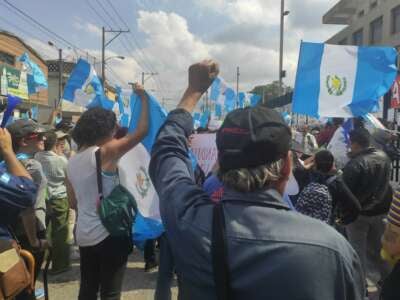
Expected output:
(60, 75)
(149, 74)
(237, 86)
(104, 44)
(281, 72)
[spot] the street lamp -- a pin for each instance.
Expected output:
(60, 71)
(117, 56)
(282, 74)
(109, 58)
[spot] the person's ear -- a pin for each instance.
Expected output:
(22, 142)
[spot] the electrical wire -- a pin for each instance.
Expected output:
(51, 32)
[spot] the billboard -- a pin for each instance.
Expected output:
(13, 82)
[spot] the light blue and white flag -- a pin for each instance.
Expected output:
(35, 112)
(287, 117)
(222, 94)
(133, 168)
(196, 120)
(83, 85)
(217, 90)
(342, 81)
(124, 105)
(248, 99)
(230, 99)
(204, 119)
(36, 79)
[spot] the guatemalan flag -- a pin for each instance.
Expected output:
(83, 86)
(248, 99)
(342, 81)
(35, 77)
(223, 95)
(124, 106)
(133, 168)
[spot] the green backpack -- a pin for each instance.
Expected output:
(118, 210)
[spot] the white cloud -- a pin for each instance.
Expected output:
(249, 38)
(87, 26)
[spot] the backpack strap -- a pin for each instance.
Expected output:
(219, 246)
(98, 172)
(219, 252)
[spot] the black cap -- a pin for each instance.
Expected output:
(23, 128)
(251, 137)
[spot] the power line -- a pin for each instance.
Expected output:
(32, 19)
(108, 14)
(97, 13)
(26, 20)
(121, 81)
(100, 16)
(138, 46)
(146, 60)
(117, 14)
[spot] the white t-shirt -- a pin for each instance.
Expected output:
(339, 149)
(81, 173)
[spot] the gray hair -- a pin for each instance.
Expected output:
(253, 179)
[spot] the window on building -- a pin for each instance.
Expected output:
(361, 13)
(376, 31)
(396, 19)
(7, 58)
(343, 42)
(358, 37)
(373, 4)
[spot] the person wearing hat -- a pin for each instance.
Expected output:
(249, 245)
(54, 166)
(28, 139)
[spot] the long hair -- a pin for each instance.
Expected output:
(253, 179)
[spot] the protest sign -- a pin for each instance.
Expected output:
(205, 150)
(395, 102)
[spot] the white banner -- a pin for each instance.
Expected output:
(205, 150)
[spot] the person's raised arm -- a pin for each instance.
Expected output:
(170, 164)
(201, 76)
(116, 148)
(14, 166)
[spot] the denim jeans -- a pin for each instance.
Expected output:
(165, 271)
(102, 268)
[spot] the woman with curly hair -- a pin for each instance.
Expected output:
(103, 258)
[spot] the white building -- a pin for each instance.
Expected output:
(369, 22)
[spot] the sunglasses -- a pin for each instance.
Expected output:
(35, 136)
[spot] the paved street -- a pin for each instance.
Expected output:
(138, 285)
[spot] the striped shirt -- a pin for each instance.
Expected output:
(394, 212)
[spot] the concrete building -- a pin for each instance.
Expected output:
(12, 80)
(369, 22)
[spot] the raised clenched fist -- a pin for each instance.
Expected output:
(202, 74)
(139, 89)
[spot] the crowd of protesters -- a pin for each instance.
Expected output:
(236, 233)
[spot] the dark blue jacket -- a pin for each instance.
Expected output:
(273, 253)
(16, 195)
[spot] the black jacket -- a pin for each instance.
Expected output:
(273, 253)
(367, 175)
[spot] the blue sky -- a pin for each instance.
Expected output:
(168, 35)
